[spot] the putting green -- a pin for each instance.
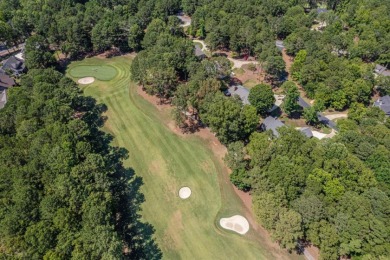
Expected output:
(184, 229)
(99, 72)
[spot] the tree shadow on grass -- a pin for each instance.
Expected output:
(138, 236)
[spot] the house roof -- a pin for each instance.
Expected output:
(379, 69)
(306, 131)
(384, 104)
(303, 103)
(321, 118)
(279, 44)
(199, 52)
(240, 91)
(3, 98)
(5, 80)
(326, 121)
(13, 64)
(321, 10)
(273, 124)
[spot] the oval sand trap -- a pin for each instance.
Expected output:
(236, 223)
(86, 80)
(184, 193)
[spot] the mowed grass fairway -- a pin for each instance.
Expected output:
(99, 72)
(185, 229)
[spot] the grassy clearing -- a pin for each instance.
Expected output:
(239, 71)
(185, 229)
(250, 83)
(100, 72)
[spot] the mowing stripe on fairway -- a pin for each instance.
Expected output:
(185, 229)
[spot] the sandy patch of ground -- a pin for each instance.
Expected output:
(184, 193)
(335, 116)
(185, 20)
(332, 134)
(239, 63)
(86, 80)
(318, 135)
(235, 223)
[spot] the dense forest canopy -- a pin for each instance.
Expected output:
(333, 194)
(64, 190)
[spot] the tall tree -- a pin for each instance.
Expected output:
(262, 98)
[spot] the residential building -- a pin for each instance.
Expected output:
(384, 104)
(271, 123)
(381, 70)
(240, 91)
(199, 53)
(14, 65)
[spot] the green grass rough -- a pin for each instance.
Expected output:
(185, 229)
(99, 72)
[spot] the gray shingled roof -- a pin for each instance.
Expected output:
(381, 70)
(321, 10)
(384, 104)
(272, 124)
(14, 64)
(3, 98)
(240, 91)
(326, 121)
(306, 131)
(279, 44)
(5, 80)
(303, 103)
(321, 118)
(199, 52)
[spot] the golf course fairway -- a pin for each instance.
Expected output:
(184, 229)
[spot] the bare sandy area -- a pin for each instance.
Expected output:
(239, 63)
(185, 19)
(336, 116)
(86, 80)
(235, 223)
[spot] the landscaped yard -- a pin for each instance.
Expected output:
(185, 229)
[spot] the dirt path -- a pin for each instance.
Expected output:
(239, 63)
(335, 116)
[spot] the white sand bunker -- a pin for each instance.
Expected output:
(236, 223)
(86, 80)
(184, 193)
